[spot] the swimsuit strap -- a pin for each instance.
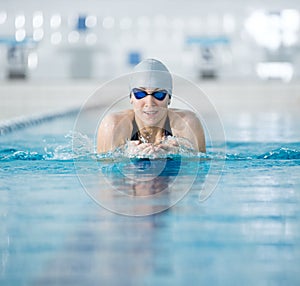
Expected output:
(135, 135)
(135, 130)
(168, 130)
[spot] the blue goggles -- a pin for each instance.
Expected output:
(159, 94)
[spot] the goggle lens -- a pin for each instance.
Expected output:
(159, 95)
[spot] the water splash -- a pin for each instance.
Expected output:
(77, 146)
(170, 147)
(281, 154)
(13, 154)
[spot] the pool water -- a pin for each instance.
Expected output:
(53, 232)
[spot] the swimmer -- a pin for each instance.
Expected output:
(151, 127)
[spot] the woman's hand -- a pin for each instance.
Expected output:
(171, 145)
(138, 149)
(174, 145)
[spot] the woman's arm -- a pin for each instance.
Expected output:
(114, 130)
(185, 124)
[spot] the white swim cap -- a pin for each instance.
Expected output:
(151, 73)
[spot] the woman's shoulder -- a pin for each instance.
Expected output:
(116, 120)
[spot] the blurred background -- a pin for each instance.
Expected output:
(80, 43)
(103, 39)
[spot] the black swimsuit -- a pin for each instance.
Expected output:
(135, 135)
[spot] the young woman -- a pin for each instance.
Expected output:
(151, 127)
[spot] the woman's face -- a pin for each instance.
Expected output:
(150, 111)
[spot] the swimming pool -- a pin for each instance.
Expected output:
(246, 233)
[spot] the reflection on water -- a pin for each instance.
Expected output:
(140, 186)
(144, 177)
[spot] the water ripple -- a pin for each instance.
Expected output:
(83, 149)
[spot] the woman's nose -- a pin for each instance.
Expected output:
(149, 100)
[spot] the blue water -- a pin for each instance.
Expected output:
(53, 232)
